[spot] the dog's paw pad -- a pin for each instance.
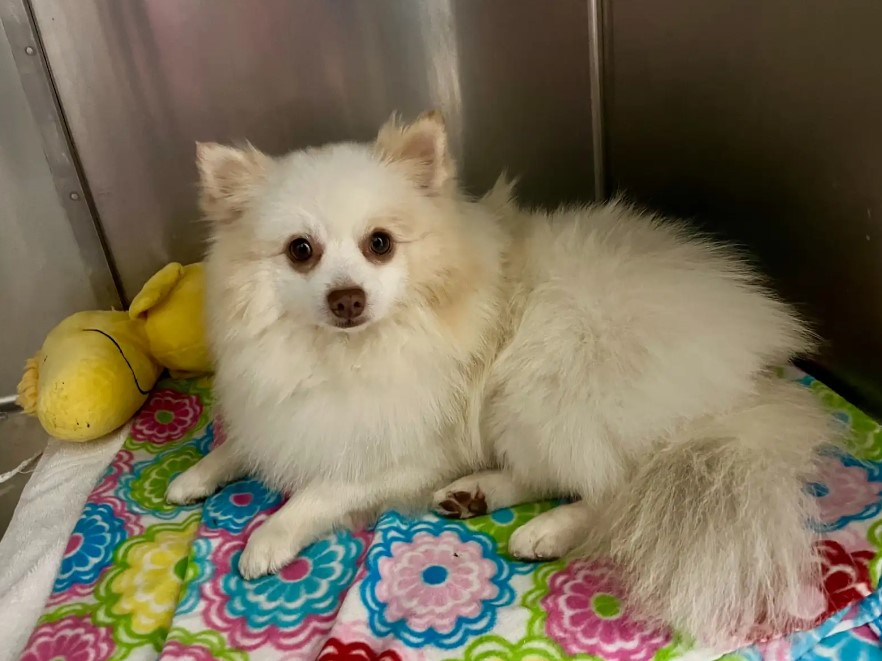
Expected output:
(461, 504)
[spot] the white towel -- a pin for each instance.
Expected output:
(32, 548)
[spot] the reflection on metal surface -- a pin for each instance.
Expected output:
(761, 118)
(598, 119)
(51, 264)
(141, 80)
(35, 81)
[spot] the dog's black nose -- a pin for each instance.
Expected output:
(347, 303)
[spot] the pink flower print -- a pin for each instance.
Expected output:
(167, 416)
(220, 432)
(845, 492)
(72, 638)
(778, 649)
(121, 465)
(433, 582)
(846, 575)
(428, 586)
(586, 615)
(851, 538)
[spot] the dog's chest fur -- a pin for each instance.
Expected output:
(301, 409)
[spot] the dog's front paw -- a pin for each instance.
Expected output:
(268, 550)
(540, 539)
(189, 487)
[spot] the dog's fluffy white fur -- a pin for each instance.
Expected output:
(598, 353)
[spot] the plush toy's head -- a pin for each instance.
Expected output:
(170, 304)
(95, 369)
(92, 373)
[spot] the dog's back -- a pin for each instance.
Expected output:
(637, 375)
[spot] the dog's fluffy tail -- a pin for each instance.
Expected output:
(712, 532)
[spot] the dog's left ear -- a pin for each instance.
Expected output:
(421, 147)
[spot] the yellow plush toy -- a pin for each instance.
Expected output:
(95, 369)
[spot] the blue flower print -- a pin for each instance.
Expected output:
(237, 504)
(847, 490)
(312, 585)
(90, 547)
(204, 441)
(859, 644)
(199, 570)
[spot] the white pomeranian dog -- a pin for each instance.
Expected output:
(378, 334)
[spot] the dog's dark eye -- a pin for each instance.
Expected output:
(300, 250)
(381, 243)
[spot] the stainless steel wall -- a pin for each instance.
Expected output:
(141, 80)
(44, 274)
(763, 120)
(757, 117)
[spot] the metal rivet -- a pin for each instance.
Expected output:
(30, 50)
(75, 196)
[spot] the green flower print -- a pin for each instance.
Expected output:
(502, 523)
(865, 436)
(149, 480)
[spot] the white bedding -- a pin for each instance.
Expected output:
(34, 543)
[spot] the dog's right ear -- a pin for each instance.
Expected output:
(229, 177)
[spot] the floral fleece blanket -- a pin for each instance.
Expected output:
(142, 579)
